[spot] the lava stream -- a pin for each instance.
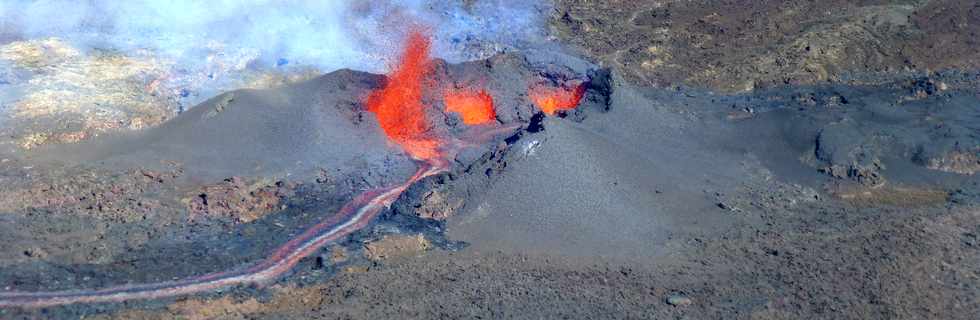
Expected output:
(353, 216)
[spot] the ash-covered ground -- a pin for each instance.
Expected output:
(828, 190)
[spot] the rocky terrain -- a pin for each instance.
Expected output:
(746, 160)
(739, 46)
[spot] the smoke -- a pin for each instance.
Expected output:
(127, 64)
(324, 34)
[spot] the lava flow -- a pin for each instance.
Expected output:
(401, 115)
(352, 217)
(473, 106)
(554, 99)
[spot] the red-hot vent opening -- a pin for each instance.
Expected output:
(473, 106)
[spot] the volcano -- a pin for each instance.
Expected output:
(571, 177)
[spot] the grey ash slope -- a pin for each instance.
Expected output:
(618, 184)
(665, 165)
(296, 129)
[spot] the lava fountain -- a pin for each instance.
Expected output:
(401, 116)
(398, 105)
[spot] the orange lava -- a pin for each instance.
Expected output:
(398, 105)
(474, 106)
(551, 100)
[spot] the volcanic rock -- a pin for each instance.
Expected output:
(909, 197)
(739, 46)
(69, 96)
(394, 246)
(848, 153)
(678, 300)
(957, 162)
(240, 200)
(436, 205)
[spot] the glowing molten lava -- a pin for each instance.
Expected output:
(551, 100)
(398, 105)
(474, 106)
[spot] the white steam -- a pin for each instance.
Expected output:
(126, 58)
(326, 34)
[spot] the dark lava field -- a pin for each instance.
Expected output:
(722, 160)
